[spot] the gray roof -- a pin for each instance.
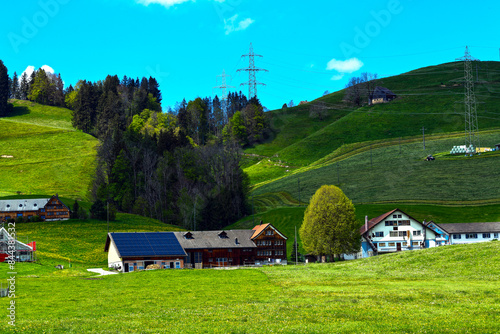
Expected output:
(471, 227)
(211, 239)
(381, 92)
(7, 205)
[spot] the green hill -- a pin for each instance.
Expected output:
(421, 102)
(42, 153)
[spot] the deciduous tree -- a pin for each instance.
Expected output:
(329, 225)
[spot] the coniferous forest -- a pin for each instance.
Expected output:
(181, 166)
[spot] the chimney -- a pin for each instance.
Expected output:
(236, 241)
(366, 223)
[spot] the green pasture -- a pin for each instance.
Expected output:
(453, 289)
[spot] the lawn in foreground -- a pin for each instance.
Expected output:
(453, 289)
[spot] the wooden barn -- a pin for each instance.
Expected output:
(207, 249)
(381, 95)
(47, 209)
(129, 252)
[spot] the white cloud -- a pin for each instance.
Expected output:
(47, 69)
(344, 66)
(338, 76)
(166, 3)
(230, 24)
(30, 69)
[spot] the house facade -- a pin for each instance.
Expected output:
(393, 231)
(196, 249)
(271, 244)
(48, 209)
(466, 233)
(129, 252)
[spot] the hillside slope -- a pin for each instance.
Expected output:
(430, 97)
(43, 154)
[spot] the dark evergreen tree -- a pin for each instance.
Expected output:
(154, 89)
(24, 87)
(15, 87)
(85, 115)
(4, 89)
(74, 212)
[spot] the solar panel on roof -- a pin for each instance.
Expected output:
(147, 244)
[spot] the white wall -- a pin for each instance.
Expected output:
(464, 240)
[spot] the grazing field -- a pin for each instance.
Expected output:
(400, 175)
(453, 289)
(45, 154)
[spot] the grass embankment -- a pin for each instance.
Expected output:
(44, 153)
(451, 289)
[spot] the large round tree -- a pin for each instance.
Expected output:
(329, 225)
(4, 89)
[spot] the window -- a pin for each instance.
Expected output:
(495, 235)
(379, 234)
(177, 265)
(210, 260)
(394, 216)
(405, 243)
(402, 233)
(400, 216)
(278, 242)
(43, 217)
(404, 223)
(230, 259)
(230, 250)
(395, 228)
(471, 236)
(131, 268)
(381, 244)
(417, 233)
(278, 253)
(269, 232)
(393, 234)
(415, 243)
(391, 223)
(457, 236)
(392, 244)
(486, 235)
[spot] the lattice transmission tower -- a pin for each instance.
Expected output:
(471, 125)
(252, 71)
(223, 88)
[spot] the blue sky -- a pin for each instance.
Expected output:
(308, 46)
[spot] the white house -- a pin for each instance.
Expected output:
(393, 231)
(466, 233)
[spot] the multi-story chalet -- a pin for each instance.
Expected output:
(271, 244)
(466, 233)
(136, 251)
(47, 209)
(196, 249)
(393, 231)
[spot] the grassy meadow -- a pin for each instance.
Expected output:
(453, 289)
(47, 155)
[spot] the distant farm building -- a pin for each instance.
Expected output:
(197, 249)
(466, 233)
(303, 102)
(20, 253)
(497, 146)
(47, 209)
(381, 95)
